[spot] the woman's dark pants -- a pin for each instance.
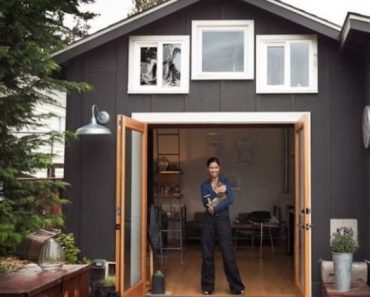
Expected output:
(217, 226)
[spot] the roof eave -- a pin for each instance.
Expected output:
(299, 16)
(119, 29)
(354, 22)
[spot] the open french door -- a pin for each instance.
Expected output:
(302, 232)
(131, 207)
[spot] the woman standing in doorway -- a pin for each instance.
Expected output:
(217, 196)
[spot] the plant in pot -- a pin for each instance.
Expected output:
(158, 283)
(105, 287)
(343, 245)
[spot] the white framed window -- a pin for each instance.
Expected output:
(223, 49)
(158, 64)
(286, 64)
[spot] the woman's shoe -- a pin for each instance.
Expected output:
(207, 292)
(238, 292)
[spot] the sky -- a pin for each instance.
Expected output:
(335, 11)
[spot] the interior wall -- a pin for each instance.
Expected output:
(251, 157)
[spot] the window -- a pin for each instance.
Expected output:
(158, 64)
(286, 64)
(223, 49)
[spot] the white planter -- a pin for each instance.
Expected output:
(342, 270)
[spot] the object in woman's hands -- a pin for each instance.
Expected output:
(220, 195)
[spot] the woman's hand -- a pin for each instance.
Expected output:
(221, 189)
(211, 208)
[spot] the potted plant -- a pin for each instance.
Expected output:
(158, 283)
(343, 245)
(105, 287)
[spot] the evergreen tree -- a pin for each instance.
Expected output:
(30, 31)
(140, 5)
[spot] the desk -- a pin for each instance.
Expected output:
(358, 289)
(71, 281)
(258, 227)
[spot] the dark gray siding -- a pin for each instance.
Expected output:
(338, 159)
(368, 153)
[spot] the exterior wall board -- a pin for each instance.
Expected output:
(338, 159)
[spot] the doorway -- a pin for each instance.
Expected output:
(301, 123)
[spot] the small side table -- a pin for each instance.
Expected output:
(71, 281)
(358, 289)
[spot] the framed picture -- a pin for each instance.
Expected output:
(158, 64)
(235, 182)
(244, 151)
(215, 145)
(344, 226)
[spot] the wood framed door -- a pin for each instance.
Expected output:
(131, 207)
(302, 232)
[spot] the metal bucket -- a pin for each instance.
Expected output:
(343, 271)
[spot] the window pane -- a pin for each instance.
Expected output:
(275, 65)
(299, 61)
(132, 225)
(223, 52)
(148, 66)
(171, 65)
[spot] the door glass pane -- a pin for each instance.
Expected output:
(148, 66)
(299, 64)
(171, 65)
(223, 51)
(132, 212)
(301, 206)
(275, 65)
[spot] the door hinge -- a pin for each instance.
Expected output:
(306, 210)
(306, 226)
(118, 227)
(118, 211)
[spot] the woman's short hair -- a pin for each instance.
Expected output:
(211, 160)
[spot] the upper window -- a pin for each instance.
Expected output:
(223, 49)
(158, 64)
(287, 64)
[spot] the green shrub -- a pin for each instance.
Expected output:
(71, 251)
(343, 244)
(109, 281)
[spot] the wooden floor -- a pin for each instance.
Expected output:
(271, 276)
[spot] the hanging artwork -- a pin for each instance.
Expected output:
(344, 227)
(158, 64)
(244, 151)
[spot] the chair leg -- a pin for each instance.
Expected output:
(261, 239)
(272, 242)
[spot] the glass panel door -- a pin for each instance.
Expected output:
(131, 207)
(302, 250)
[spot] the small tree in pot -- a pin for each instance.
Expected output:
(158, 283)
(343, 245)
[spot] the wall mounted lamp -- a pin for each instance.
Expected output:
(98, 119)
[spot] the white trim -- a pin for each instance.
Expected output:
(198, 27)
(219, 118)
(305, 14)
(166, 3)
(137, 42)
(347, 26)
(113, 27)
(263, 42)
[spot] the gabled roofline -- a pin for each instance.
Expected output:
(137, 21)
(120, 28)
(354, 22)
(299, 16)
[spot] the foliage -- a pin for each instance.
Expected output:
(10, 264)
(30, 30)
(71, 251)
(159, 273)
(109, 281)
(141, 5)
(343, 243)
